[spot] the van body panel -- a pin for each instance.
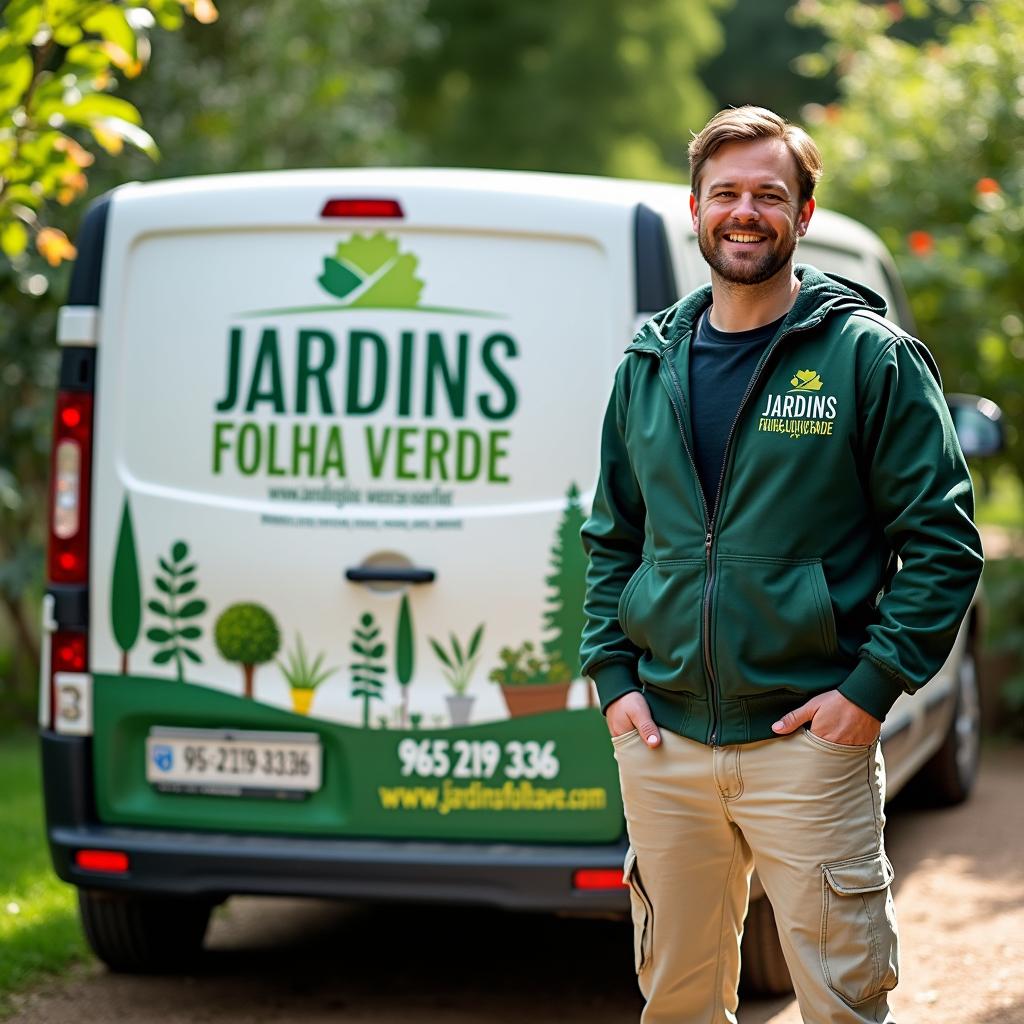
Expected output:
(285, 399)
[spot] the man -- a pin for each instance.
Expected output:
(771, 446)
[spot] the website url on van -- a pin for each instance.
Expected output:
(512, 796)
(341, 496)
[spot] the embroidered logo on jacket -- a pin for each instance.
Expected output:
(799, 412)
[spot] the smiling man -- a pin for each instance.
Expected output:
(781, 543)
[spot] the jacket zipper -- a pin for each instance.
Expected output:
(711, 520)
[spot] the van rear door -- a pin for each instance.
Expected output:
(341, 464)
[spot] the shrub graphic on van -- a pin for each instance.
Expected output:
(248, 634)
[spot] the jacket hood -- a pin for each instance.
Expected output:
(821, 295)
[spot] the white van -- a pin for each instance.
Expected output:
(324, 443)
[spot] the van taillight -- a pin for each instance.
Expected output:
(109, 861)
(68, 652)
(69, 488)
(598, 878)
(362, 208)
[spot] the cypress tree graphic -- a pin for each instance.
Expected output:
(126, 589)
(564, 614)
(404, 654)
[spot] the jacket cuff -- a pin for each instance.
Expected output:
(614, 679)
(871, 688)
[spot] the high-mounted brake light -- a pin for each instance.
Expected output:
(69, 488)
(362, 208)
(598, 878)
(109, 861)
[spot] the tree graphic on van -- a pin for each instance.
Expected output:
(367, 684)
(404, 655)
(126, 589)
(177, 580)
(247, 633)
(564, 614)
(369, 271)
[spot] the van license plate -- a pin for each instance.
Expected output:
(229, 762)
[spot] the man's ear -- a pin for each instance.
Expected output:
(803, 218)
(693, 211)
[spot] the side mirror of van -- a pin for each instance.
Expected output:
(978, 423)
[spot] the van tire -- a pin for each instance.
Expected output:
(947, 778)
(763, 970)
(134, 934)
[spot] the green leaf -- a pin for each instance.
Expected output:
(360, 649)
(179, 551)
(190, 633)
(191, 655)
(101, 106)
(158, 607)
(474, 643)
(377, 652)
(192, 609)
(23, 18)
(167, 567)
(456, 649)
(110, 23)
(17, 66)
(13, 238)
(164, 656)
(186, 569)
(440, 652)
(162, 585)
(159, 636)
(338, 279)
(187, 587)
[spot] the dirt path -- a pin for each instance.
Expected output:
(959, 895)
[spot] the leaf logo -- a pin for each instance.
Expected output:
(806, 380)
(369, 271)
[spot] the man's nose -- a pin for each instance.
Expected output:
(745, 209)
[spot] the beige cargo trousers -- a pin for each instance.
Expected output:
(807, 813)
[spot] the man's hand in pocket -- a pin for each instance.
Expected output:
(631, 711)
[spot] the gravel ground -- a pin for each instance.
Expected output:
(959, 896)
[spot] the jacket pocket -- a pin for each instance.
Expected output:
(859, 940)
(662, 616)
(774, 624)
(642, 912)
(627, 593)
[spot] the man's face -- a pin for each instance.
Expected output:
(748, 215)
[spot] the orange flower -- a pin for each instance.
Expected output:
(921, 243)
(987, 187)
(54, 246)
(895, 11)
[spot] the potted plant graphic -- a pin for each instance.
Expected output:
(458, 666)
(247, 633)
(303, 677)
(531, 683)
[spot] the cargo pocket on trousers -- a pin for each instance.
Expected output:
(641, 910)
(859, 941)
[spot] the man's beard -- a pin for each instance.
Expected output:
(752, 269)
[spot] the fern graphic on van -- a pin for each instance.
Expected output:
(176, 581)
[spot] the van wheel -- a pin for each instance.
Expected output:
(763, 970)
(135, 934)
(948, 778)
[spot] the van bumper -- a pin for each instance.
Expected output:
(217, 865)
(213, 865)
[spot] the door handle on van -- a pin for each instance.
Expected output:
(387, 574)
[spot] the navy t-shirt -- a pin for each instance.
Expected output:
(721, 365)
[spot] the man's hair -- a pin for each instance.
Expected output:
(750, 124)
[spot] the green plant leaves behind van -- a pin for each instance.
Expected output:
(176, 580)
(370, 271)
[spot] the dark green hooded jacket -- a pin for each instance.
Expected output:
(729, 610)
